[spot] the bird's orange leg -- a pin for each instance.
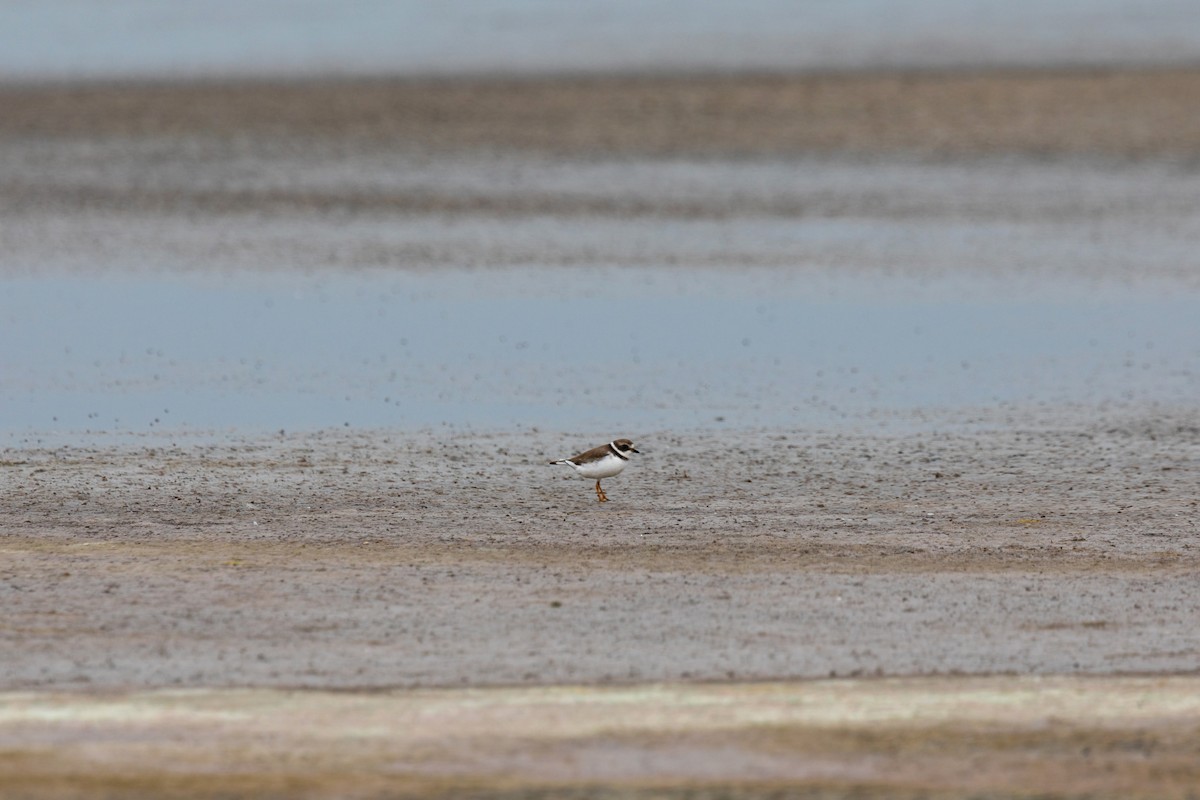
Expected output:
(601, 497)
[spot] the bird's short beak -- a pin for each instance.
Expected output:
(634, 449)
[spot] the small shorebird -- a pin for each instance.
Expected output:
(601, 462)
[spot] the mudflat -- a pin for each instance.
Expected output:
(379, 562)
(1002, 558)
(381, 559)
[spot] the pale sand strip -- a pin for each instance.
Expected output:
(1132, 735)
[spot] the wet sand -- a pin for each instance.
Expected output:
(1046, 541)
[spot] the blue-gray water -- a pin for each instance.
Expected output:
(620, 349)
(153, 38)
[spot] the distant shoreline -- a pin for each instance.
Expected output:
(1111, 112)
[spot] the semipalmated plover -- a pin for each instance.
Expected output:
(601, 462)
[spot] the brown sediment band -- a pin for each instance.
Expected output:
(1124, 113)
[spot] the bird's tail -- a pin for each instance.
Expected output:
(560, 461)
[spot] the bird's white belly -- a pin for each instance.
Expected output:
(604, 468)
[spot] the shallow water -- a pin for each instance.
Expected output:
(621, 349)
(146, 38)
